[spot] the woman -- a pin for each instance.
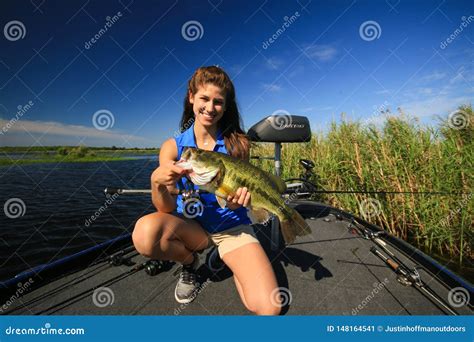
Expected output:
(213, 123)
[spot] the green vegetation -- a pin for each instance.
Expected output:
(55, 154)
(45, 149)
(400, 156)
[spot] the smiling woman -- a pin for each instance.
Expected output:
(172, 234)
(211, 94)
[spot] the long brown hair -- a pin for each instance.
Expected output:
(236, 142)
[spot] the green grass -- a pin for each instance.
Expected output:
(400, 156)
(58, 159)
(65, 154)
(44, 149)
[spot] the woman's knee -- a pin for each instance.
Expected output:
(267, 305)
(265, 308)
(147, 234)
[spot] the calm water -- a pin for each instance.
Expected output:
(58, 199)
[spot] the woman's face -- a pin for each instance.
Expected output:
(208, 104)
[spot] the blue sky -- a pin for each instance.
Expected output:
(322, 64)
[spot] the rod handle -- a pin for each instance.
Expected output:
(393, 264)
(112, 191)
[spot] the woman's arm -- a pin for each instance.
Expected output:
(164, 178)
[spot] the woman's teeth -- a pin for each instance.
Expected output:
(208, 115)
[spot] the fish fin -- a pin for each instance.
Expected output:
(279, 184)
(222, 202)
(296, 226)
(259, 215)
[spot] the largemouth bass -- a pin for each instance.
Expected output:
(222, 175)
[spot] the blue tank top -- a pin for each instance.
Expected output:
(212, 217)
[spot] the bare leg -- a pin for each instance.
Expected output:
(254, 274)
(165, 236)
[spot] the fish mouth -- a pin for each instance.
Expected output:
(200, 174)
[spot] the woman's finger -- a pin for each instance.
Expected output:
(247, 200)
(237, 195)
(243, 193)
(177, 170)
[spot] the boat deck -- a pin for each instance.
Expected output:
(331, 272)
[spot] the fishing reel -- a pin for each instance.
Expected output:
(409, 277)
(190, 194)
(303, 187)
(153, 267)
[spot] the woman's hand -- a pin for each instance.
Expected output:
(241, 198)
(167, 174)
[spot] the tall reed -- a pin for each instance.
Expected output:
(401, 155)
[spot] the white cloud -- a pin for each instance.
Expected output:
(459, 76)
(323, 53)
(271, 87)
(25, 132)
(424, 91)
(434, 76)
(436, 105)
(274, 63)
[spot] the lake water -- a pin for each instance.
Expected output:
(58, 199)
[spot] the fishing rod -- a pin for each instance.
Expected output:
(406, 275)
(412, 277)
(119, 191)
(309, 186)
(164, 265)
(391, 192)
(112, 191)
(116, 259)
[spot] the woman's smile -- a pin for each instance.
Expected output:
(208, 103)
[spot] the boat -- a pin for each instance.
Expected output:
(346, 266)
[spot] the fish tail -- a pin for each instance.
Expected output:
(294, 225)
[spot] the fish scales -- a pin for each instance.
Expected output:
(223, 175)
